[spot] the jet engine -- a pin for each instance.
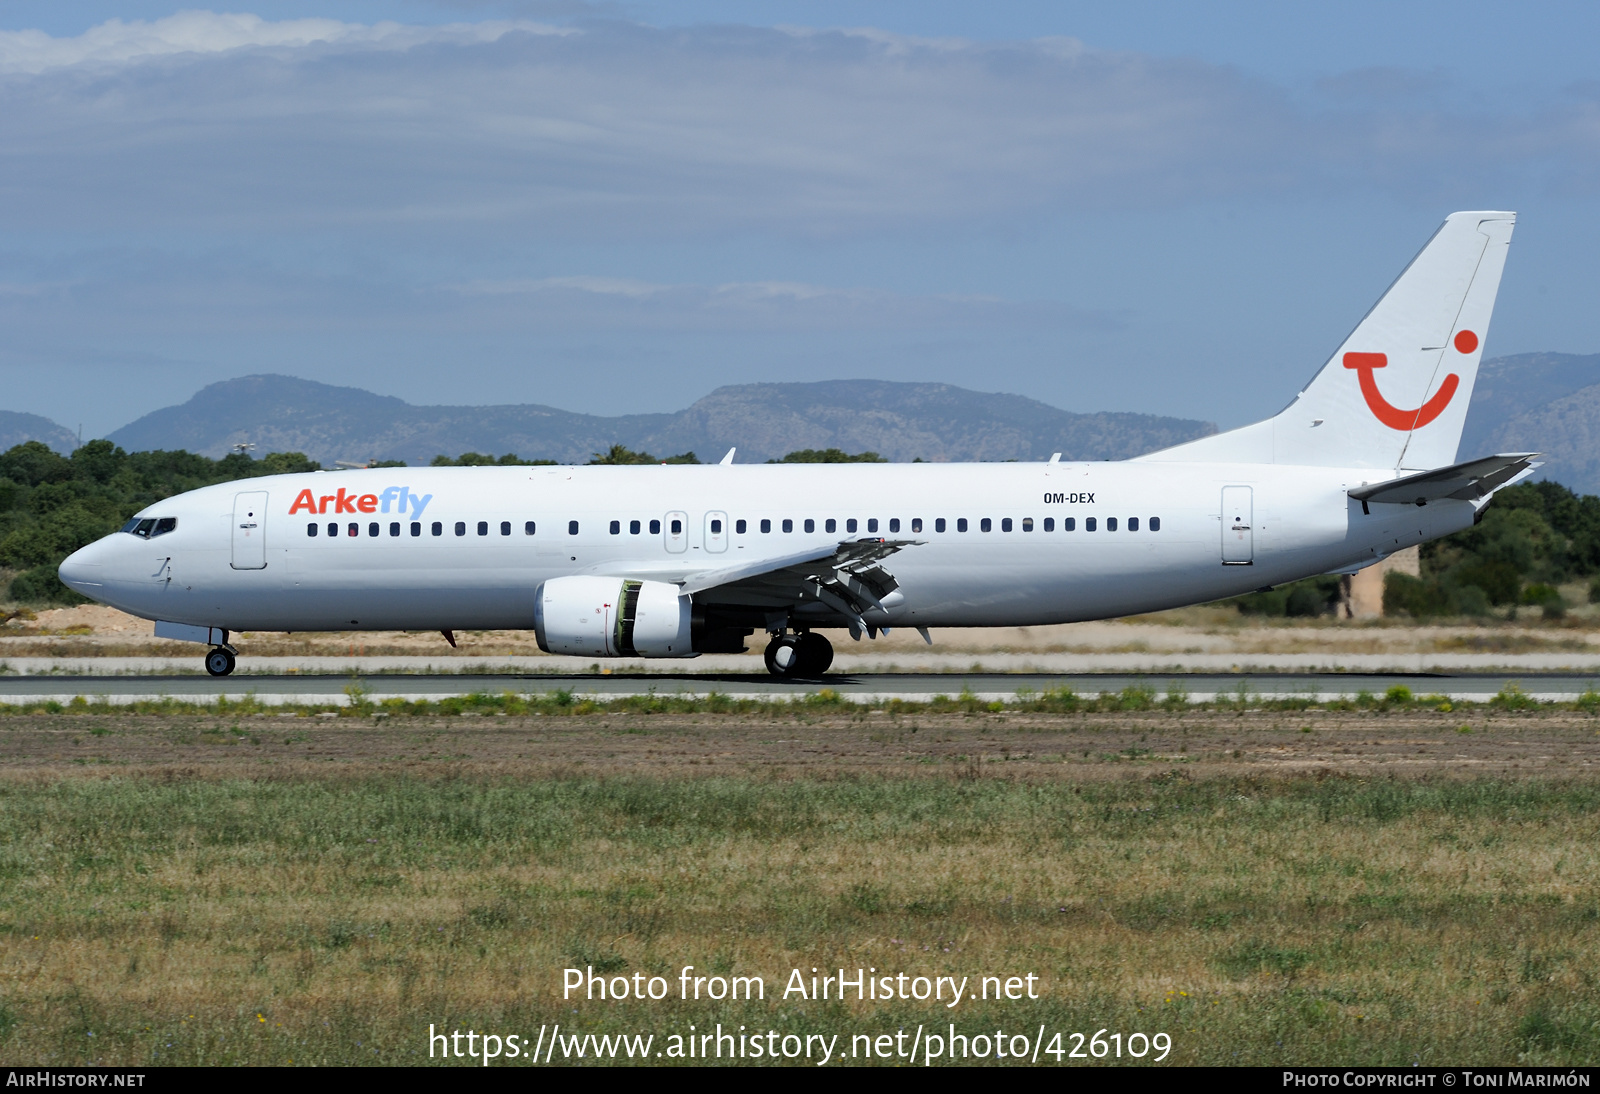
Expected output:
(612, 617)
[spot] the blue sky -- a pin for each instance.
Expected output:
(617, 207)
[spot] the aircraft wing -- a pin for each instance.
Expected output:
(849, 578)
(1470, 481)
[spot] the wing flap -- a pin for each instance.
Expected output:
(849, 578)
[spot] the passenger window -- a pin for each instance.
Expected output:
(505, 528)
(766, 526)
(311, 530)
(354, 530)
(394, 528)
(788, 525)
(416, 528)
(1133, 524)
(1111, 524)
(655, 528)
(633, 527)
(850, 525)
(985, 525)
(461, 527)
(677, 527)
(572, 527)
(916, 524)
(961, 524)
(527, 527)
(831, 525)
(1088, 524)
(716, 527)
(1027, 524)
(483, 527)
(438, 528)
(872, 524)
(739, 527)
(938, 525)
(1049, 524)
(1155, 524)
(333, 530)
(165, 525)
(616, 527)
(811, 525)
(373, 529)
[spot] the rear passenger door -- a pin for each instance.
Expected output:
(1238, 533)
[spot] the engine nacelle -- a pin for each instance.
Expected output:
(612, 617)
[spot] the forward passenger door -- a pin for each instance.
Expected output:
(249, 530)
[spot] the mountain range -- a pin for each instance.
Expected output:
(16, 428)
(902, 421)
(1540, 402)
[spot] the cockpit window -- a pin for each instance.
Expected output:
(145, 527)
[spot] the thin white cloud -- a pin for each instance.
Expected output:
(116, 42)
(604, 286)
(606, 303)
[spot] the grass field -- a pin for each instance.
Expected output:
(172, 914)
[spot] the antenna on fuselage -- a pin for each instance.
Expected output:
(726, 460)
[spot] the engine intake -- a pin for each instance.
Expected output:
(612, 617)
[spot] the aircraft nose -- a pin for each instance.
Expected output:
(83, 571)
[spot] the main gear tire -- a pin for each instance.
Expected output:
(783, 656)
(816, 654)
(219, 661)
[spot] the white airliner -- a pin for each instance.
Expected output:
(673, 561)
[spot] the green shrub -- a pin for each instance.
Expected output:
(1305, 601)
(1498, 581)
(1423, 598)
(42, 585)
(1312, 596)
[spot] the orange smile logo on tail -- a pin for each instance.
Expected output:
(1392, 416)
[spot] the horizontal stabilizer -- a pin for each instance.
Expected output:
(1468, 481)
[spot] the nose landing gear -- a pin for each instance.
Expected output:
(799, 656)
(219, 661)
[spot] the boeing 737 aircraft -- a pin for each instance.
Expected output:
(674, 561)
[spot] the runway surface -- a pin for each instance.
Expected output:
(858, 687)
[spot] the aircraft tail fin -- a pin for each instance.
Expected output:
(1395, 394)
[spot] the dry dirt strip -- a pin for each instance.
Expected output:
(1151, 744)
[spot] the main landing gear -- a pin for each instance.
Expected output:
(219, 661)
(799, 656)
